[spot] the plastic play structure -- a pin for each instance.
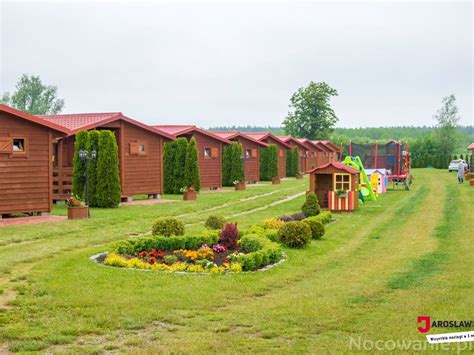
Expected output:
(393, 156)
(365, 187)
(382, 179)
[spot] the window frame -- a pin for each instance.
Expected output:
(342, 183)
(19, 154)
(207, 153)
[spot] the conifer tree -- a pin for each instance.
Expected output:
(237, 165)
(295, 161)
(191, 166)
(273, 158)
(264, 164)
(226, 163)
(178, 168)
(79, 166)
(108, 190)
(93, 145)
(169, 156)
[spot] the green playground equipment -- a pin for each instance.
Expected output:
(367, 192)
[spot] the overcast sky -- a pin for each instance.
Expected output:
(223, 64)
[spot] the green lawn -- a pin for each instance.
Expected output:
(373, 273)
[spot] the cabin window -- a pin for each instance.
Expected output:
(19, 145)
(248, 153)
(141, 149)
(342, 182)
(138, 148)
(207, 152)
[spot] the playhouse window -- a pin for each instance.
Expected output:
(342, 182)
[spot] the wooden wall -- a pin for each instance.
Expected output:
(252, 164)
(210, 169)
(26, 180)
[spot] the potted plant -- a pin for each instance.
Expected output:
(239, 185)
(276, 180)
(76, 208)
(299, 175)
(189, 193)
(341, 193)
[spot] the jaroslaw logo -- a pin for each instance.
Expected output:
(426, 324)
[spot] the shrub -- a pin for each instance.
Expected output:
(324, 217)
(272, 234)
(285, 218)
(311, 206)
(168, 166)
(317, 228)
(273, 223)
(232, 164)
(273, 161)
(292, 162)
(298, 216)
(191, 166)
(261, 252)
(214, 222)
(229, 235)
(264, 165)
(94, 137)
(168, 226)
(295, 234)
(255, 229)
(179, 163)
(79, 166)
(136, 245)
(108, 189)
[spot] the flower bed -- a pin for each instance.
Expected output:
(205, 253)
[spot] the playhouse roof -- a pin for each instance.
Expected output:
(337, 165)
(34, 119)
(382, 171)
(260, 136)
(471, 146)
(236, 134)
(177, 130)
(84, 121)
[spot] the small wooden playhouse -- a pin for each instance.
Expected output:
(336, 185)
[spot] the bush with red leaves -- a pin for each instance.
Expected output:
(229, 235)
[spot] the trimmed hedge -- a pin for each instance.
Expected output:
(134, 246)
(214, 222)
(108, 189)
(260, 252)
(317, 228)
(295, 234)
(168, 226)
(324, 217)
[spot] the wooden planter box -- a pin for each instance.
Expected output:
(299, 176)
(240, 186)
(471, 182)
(77, 212)
(276, 181)
(189, 196)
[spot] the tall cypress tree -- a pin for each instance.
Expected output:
(93, 145)
(226, 163)
(169, 156)
(289, 163)
(272, 157)
(191, 166)
(108, 191)
(237, 165)
(295, 161)
(178, 168)
(79, 166)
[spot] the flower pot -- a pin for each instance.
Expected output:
(77, 212)
(471, 182)
(240, 186)
(189, 195)
(299, 176)
(276, 181)
(343, 195)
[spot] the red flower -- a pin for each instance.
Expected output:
(143, 254)
(152, 260)
(160, 253)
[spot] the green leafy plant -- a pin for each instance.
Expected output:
(317, 228)
(79, 166)
(273, 161)
(232, 164)
(108, 191)
(191, 166)
(93, 144)
(214, 222)
(292, 162)
(261, 252)
(169, 156)
(179, 163)
(168, 226)
(295, 234)
(311, 206)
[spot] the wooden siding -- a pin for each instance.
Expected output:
(25, 181)
(210, 169)
(282, 159)
(251, 165)
(142, 173)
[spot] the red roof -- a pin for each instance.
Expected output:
(85, 121)
(236, 134)
(288, 139)
(337, 165)
(34, 119)
(322, 145)
(177, 130)
(471, 146)
(307, 142)
(260, 136)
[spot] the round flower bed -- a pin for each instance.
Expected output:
(205, 253)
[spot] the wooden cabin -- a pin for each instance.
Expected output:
(314, 154)
(251, 153)
(210, 151)
(282, 148)
(26, 150)
(327, 155)
(140, 152)
(302, 151)
(336, 185)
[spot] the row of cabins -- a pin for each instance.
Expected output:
(36, 155)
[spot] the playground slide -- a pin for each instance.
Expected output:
(356, 163)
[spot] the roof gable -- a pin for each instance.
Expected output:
(261, 136)
(177, 130)
(337, 165)
(34, 119)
